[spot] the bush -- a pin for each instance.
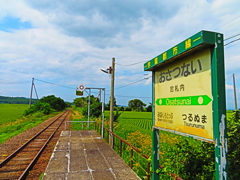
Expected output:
(55, 103)
(128, 109)
(39, 107)
(95, 109)
(233, 125)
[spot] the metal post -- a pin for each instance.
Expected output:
(112, 103)
(35, 90)
(30, 101)
(219, 110)
(235, 93)
(103, 104)
(89, 107)
(155, 137)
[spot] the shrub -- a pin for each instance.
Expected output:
(55, 103)
(233, 125)
(95, 109)
(39, 106)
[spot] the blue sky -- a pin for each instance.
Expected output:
(67, 43)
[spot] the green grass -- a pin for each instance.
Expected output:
(13, 123)
(11, 112)
(130, 121)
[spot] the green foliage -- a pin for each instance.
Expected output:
(80, 102)
(149, 107)
(121, 108)
(127, 109)
(107, 107)
(136, 105)
(45, 108)
(55, 103)
(47, 105)
(95, 109)
(233, 125)
(197, 159)
(117, 115)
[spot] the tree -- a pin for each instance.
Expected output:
(45, 108)
(95, 107)
(56, 103)
(136, 105)
(80, 102)
(149, 107)
(107, 107)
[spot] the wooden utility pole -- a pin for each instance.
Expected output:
(112, 71)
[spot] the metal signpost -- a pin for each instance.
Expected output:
(189, 95)
(102, 90)
(80, 89)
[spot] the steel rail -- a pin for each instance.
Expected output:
(24, 174)
(11, 156)
(25, 144)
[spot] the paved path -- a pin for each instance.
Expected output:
(85, 155)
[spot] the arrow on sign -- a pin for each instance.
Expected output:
(184, 101)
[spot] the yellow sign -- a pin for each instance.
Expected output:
(183, 95)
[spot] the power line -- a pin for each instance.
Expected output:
(133, 83)
(54, 84)
(130, 64)
(231, 37)
(232, 41)
(228, 78)
(228, 22)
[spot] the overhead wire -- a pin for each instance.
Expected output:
(130, 64)
(133, 83)
(232, 41)
(231, 37)
(227, 22)
(54, 84)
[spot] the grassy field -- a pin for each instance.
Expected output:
(11, 112)
(13, 123)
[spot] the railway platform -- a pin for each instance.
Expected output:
(85, 155)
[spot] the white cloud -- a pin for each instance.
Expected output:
(70, 41)
(229, 86)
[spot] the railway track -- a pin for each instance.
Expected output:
(18, 164)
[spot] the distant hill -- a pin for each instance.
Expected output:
(15, 100)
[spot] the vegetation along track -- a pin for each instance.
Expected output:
(18, 164)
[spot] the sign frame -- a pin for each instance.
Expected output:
(197, 43)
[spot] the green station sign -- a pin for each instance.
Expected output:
(188, 84)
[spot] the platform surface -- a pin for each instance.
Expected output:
(85, 155)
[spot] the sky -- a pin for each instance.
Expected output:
(62, 44)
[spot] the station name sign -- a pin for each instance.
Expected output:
(183, 100)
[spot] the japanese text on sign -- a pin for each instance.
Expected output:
(184, 70)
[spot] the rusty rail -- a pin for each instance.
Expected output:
(24, 168)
